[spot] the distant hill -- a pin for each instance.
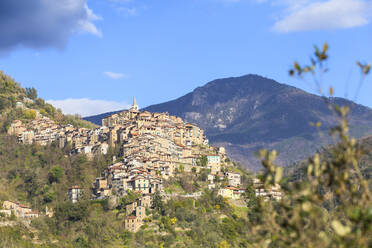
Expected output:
(251, 112)
(97, 119)
(297, 171)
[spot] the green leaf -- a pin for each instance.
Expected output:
(325, 47)
(278, 174)
(366, 69)
(297, 66)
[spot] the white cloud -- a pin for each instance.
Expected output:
(87, 24)
(306, 15)
(115, 75)
(87, 107)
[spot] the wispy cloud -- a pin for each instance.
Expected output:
(128, 11)
(87, 107)
(115, 75)
(127, 7)
(305, 15)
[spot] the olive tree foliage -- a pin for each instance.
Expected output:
(332, 205)
(202, 161)
(31, 93)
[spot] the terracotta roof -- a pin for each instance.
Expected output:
(232, 188)
(32, 212)
(23, 206)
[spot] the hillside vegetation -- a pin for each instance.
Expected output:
(297, 171)
(19, 103)
(40, 176)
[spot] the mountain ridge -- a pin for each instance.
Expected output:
(251, 112)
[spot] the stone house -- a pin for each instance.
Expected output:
(31, 214)
(211, 178)
(74, 193)
(101, 188)
(10, 205)
(234, 179)
(133, 223)
(214, 163)
(19, 210)
(146, 201)
(141, 212)
(141, 183)
(16, 128)
(273, 192)
(230, 192)
(27, 137)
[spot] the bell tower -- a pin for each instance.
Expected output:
(134, 105)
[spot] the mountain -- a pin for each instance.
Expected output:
(248, 113)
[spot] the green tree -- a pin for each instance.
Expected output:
(202, 161)
(31, 183)
(31, 93)
(68, 211)
(182, 168)
(49, 197)
(157, 204)
(253, 206)
(55, 174)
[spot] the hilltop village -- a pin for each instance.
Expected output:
(156, 140)
(154, 147)
(44, 131)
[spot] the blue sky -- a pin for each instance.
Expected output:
(94, 56)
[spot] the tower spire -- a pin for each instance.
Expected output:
(134, 105)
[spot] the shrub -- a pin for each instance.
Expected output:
(68, 211)
(332, 205)
(55, 174)
(29, 114)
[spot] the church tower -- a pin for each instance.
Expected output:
(134, 105)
